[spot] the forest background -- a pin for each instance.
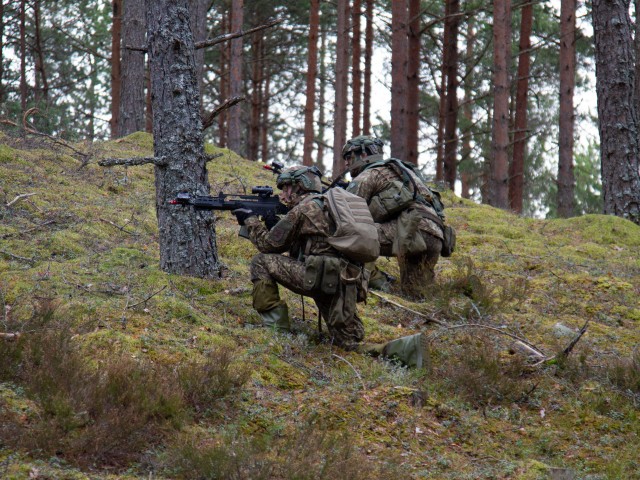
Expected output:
(324, 73)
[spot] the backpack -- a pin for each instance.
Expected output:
(356, 235)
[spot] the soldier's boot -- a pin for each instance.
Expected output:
(273, 311)
(409, 350)
(277, 318)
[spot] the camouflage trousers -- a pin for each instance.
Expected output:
(417, 271)
(268, 270)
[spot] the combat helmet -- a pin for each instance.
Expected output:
(308, 178)
(356, 147)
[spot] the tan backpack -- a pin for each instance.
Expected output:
(356, 235)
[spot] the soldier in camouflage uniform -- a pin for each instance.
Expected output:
(372, 175)
(302, 232)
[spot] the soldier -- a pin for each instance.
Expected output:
(303, 233)
(409, 226)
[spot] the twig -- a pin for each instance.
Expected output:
(352, 367)
(20, 197)
(10, 336)
(567, 350)
(17, 257)
(231, 36)
(29, 128)
(149, 297)
(428, 317)
(208, 119)
(117, 226)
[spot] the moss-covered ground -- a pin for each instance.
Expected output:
(86, 244)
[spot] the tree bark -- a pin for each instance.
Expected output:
(116, 30)
(132, 71)
(516, 169)
(187, 237)
(312, 73)
(566, 179)
(342, 71)
(321, 100)
(443, 94)
(266, 99)
(499, 169)
(399, 59)
(413, 82)
(257, 81)
(2, 25)
(617, 108)
(235, 78)
(451, 103)
(224, 82)
(368, 54)
(466, 148)
(198, 10)
(23, 58)
(356, 72)
(42, 92)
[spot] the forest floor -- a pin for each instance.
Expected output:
(124, 371)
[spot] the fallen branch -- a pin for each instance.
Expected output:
(353, 368)
(10, 336)
(567, 350)
(430, 318)
(149, 297)
(117, 226)
(20, 197)
(17, 257)
(207, 120)
(230, 36)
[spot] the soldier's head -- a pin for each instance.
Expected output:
(356, 151)
(297, 181)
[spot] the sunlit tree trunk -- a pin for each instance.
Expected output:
(516, 168)
(235, 78)
(399, 59)
(566, 179)
(498, 178)
(116, 30)
(312, 73)
(341, 82)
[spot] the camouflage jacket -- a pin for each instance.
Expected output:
(374, 180)
(302, 231)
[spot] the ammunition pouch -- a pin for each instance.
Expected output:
(409, 240)
(449, 241)
(393, 199)
(332, 275)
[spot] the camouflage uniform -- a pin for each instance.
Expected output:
(416, 270)
(301, 233)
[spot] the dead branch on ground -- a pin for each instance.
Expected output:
(429, 318)
(20, 197)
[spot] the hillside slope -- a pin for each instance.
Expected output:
(124, 371)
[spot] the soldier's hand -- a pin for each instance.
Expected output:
(270, 220)
(242, 214)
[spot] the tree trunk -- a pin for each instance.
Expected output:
(516, 169)
(443, 94)
(257, 81)
(198, 10)
(356, 72)
(342, 71)
(566, 180)
(312, 73)
(224, 82)
(617, 109)
(399, 59)
(266, 99)
(42, 93)
(499, 170)
(235, 78)
(451, 104)
(413, 82)
(2, 24)
(368, 53)
(187, 237)
(23, 59)
(466, 150)
(148, 114)
(321, 100)
(116, 30)
(132, 74)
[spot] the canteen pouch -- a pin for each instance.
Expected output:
(330, 275)
(314, 266)
(449, 241)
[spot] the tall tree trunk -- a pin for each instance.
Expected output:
(132, 71)
(23, 58)
(368, 54)
(321, 100)
(637, 50)
(235, 77)
(342, 83)
(198, 10)
(443, 94)
(617, 109)
(266, 99)
(451, 104)
(224, 82)
(499, 171)
(399, 59)
(312, 73)
(2, 24)
(257, 81)
(187, 237)
(356, 72)
(466, 150)
(516, 169)
(42, 93)
(148, 114)
(566, 179)
(413, 82)
(116, 30)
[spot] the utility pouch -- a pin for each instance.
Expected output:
(409, 240)
(449, 241)
(393, 199)
(330, 275)
(314, 266)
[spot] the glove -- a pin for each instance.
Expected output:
(242, 214)
(270, 220)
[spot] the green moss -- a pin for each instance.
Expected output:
(7, 154)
